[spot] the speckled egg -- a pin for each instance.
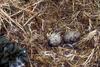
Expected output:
(54, 39)
(71, 37)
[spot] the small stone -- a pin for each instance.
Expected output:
(54, 39)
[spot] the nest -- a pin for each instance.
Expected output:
(30, 22)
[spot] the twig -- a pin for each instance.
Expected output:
(30, 19)
(89, 58)
(5, 14)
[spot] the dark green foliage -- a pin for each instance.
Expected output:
(10, 51)
(3, 40)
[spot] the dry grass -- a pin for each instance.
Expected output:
(30, 21)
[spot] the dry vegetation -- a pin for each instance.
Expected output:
(31, 21)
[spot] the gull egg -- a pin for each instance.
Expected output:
(54, 39)
(71, 37)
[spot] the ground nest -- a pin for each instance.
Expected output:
(32, 22)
